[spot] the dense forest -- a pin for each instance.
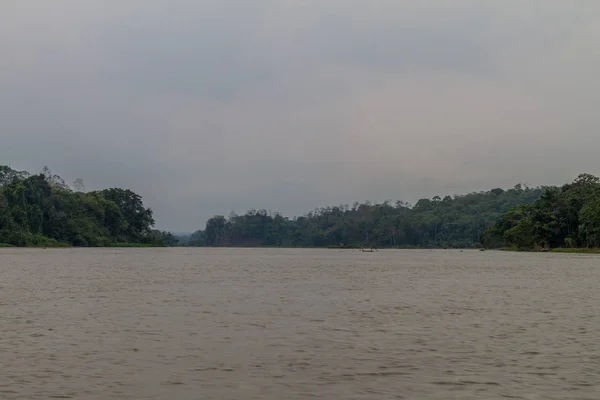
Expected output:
(457, 221)
(42, 210)
(568, 216)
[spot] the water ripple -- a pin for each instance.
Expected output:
(297, 324)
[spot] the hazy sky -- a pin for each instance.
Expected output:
(204, 106)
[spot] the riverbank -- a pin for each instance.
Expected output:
(38, 246)
(350, 247)
(52, 244)
(574, 250)
(134, 245)
(58, 245)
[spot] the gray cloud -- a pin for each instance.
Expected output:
(207, 106)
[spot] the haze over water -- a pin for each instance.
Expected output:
(297, 324)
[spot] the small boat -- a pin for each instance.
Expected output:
(371, 250)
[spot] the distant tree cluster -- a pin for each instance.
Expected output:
(42, 210)
(457, 221)
(568, 216)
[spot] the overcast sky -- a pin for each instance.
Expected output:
(208, 106)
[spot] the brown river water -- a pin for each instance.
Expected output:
(280, 324)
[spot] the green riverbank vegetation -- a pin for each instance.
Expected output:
(563, 219)
(451, 221)
(41, 210)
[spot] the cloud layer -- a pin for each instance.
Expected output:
(204, 106)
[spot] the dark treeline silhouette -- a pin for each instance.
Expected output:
(42, 210)
(457, 221)
(568, 216)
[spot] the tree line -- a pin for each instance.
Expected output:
(42, 210)
(566, 216)
(453, 222)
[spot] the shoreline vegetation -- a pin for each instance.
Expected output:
(450, 222)
(41, 210)
(564, 219)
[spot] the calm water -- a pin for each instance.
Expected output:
(298, 324)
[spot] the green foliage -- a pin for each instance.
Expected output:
(9, 175)
(456, 222)
(41, 210)
(567, 217)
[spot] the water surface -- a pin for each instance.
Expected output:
(298, 324)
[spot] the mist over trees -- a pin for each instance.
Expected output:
(43, 210)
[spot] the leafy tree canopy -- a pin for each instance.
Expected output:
(42, 210)
(568, 216)
(457, 221)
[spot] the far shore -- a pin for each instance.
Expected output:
(144, 245)
(60, 245)
(574, 250)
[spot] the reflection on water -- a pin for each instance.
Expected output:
(298, 324)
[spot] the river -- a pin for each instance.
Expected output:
(282, 324)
